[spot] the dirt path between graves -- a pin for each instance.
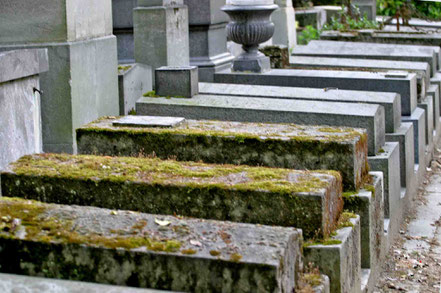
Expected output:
(413, 263)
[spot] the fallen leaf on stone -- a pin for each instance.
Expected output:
(162, 223)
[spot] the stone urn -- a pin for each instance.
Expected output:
(250, 25)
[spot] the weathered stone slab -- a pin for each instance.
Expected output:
(421, 69)
(427, 105)
(368, 204)
(256, 144)
(354, 80)
(434, 92)
(284, 197)
(390, 101)
(339, 258)
(133, 81)
(143, 250)
(405, 137)
(363, 50)
(147, 121)
(419, 127)
(251, 109)
(17, 283)
(388, 162)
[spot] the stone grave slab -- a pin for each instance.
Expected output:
(331, 79)
(427, 105)
(390, 101)
(368, 204)
(148, 121)
(421, 69)
(263, 144)
(434, 92)
(252, 109)
(405, 137)
(274, 196)
(190, 254)
(336, 49)
(345, 245)
(419, 127)
(388, 162)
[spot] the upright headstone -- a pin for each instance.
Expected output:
(20, 119)
(208, 38)
(161, 33)
(82, 83)
(285, 24)
(367, 8)
(122, 12)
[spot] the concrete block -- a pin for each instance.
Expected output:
(47, 21)
(427, 105)
(284, 20)
(405, 137)
(262, 144)
(157, 31)
(251, 109)
(421, 69)
(139, 250)
(388, 162)
(17, 283)
(308, 200)
(20, 104)
(340, 262)
(364, 81)
(434, 92)
(122, 13)
(75, 94)
(419, 128)
(134, 80)
(390, 101)
(370, 51)
(125, 45)
(177, 81)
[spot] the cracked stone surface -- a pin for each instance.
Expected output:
(414, 262)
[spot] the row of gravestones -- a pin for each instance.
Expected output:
(401, 130)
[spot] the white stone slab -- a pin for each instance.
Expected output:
(148, 121)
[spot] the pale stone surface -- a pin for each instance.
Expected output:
(148, 121)
(284, 20)
(250, 2)
(20, 108)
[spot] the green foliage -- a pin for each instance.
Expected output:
(308, 34)
(429, 9)
(389, 7)
(352, 21)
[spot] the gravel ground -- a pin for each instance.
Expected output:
(414, 260)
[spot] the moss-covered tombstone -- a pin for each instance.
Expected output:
(148, 251)
(308, 200)
(258, 144)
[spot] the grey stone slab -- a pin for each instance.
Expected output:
(126, 46)
(175, 81)
(148, 121)
(419, 128)
(177, 255)
(18, 64)
(390, 101)
(240, 143)
(369, 205)
(436, 80)
(422, 69)
(367, 8)
(163, 186)
(417, 22)
(405, 137)
(48, 21)
(365, 81)
(206, 12)
(122, 13)
(340, 262)
(315, 17)
(81, 85)
(153, 3)
(230, 108)
(427, 105)
(284, 20)
(434, 92)
(388, 162)
(363, 50)
(25, 284)
(134, 80)
(157, 31)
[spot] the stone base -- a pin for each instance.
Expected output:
(209, 66)
(81, 85)
(340, 262)
(259, 64)
(388, 162)
(134, 80)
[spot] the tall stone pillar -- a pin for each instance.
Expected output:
(161, 33)
(208, 38)
(284, 20)
(122, 15)
(81, 84)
